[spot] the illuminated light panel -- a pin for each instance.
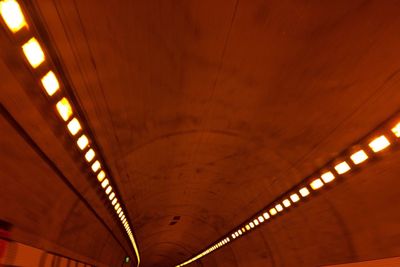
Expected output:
(327, 177)
(96, 166)
(50, 83)
(266, 215)
(64, 109)
(260, 219)
(240, 232)
(243, 230)
(105, 183)
(119, 210)
(108, 190)
(359, 157)
(379, 143)
(304, 192)
(33, 52)
(251, 224)
(82, 142)
(279, 207)
(396, 130)
(116, 207)
(342, 167)
(316, 184)
(114, 201)
(294, 197)
(256, 222)
(233, 236)
(286, 203)
(247, 227)
(89, 156)
(74, 126)
(12, 15)
(111, 196)
(101, 176)
(273, 211)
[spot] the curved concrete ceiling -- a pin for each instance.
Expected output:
(209, 110)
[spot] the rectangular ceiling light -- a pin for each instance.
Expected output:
(108, 190)
(251, 224)
(266, 215)
(327, 177)
(294, 197)
(359, 157)
(50, 83)
(101, 176)
(82, 142)
(33, 52)
(64, 109)
(12, 15)
(89, 155)
(105, 183)
(256, 222)
(379, 143)
(279, 207)
(247, 227)
(396, 130)
(304, 192)
(342, 167)
(260, 219)
(114, 202)
(74, 126)
(316, 184)
(286, 203)
(96, 166)
(273, 211)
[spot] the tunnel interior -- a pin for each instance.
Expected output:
(202, 115)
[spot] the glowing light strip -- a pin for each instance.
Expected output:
(336, 168)
(14, 19)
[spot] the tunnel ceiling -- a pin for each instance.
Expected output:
(208, 110)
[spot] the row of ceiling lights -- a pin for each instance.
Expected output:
(342, 165)
(15, 20)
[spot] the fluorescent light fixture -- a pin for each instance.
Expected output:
(108, 190)
(255, 221)
(33, 52)
(119, 210)
(64, 109)
(294, 197)
(304, 192)
(251, 224)
(286, 203)
(89, 155)
(266, 215)
(105, 183)
(96, 166)
(279, 207)
(116, 207)
(101, 176)
(396, 130)
(273, 211)
(12, 15)
(379, 143)
(327, 177)
(240, 232)
(260, 219)
(82, 142)
(342, 167)
(316, 184)
(114, 201)
(247, 227)
(74, 126)
(359, 157)
(50, 83)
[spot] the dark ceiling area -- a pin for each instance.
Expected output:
(203, 113)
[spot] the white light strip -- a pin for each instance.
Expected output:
(13, 17)
(303, 190)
